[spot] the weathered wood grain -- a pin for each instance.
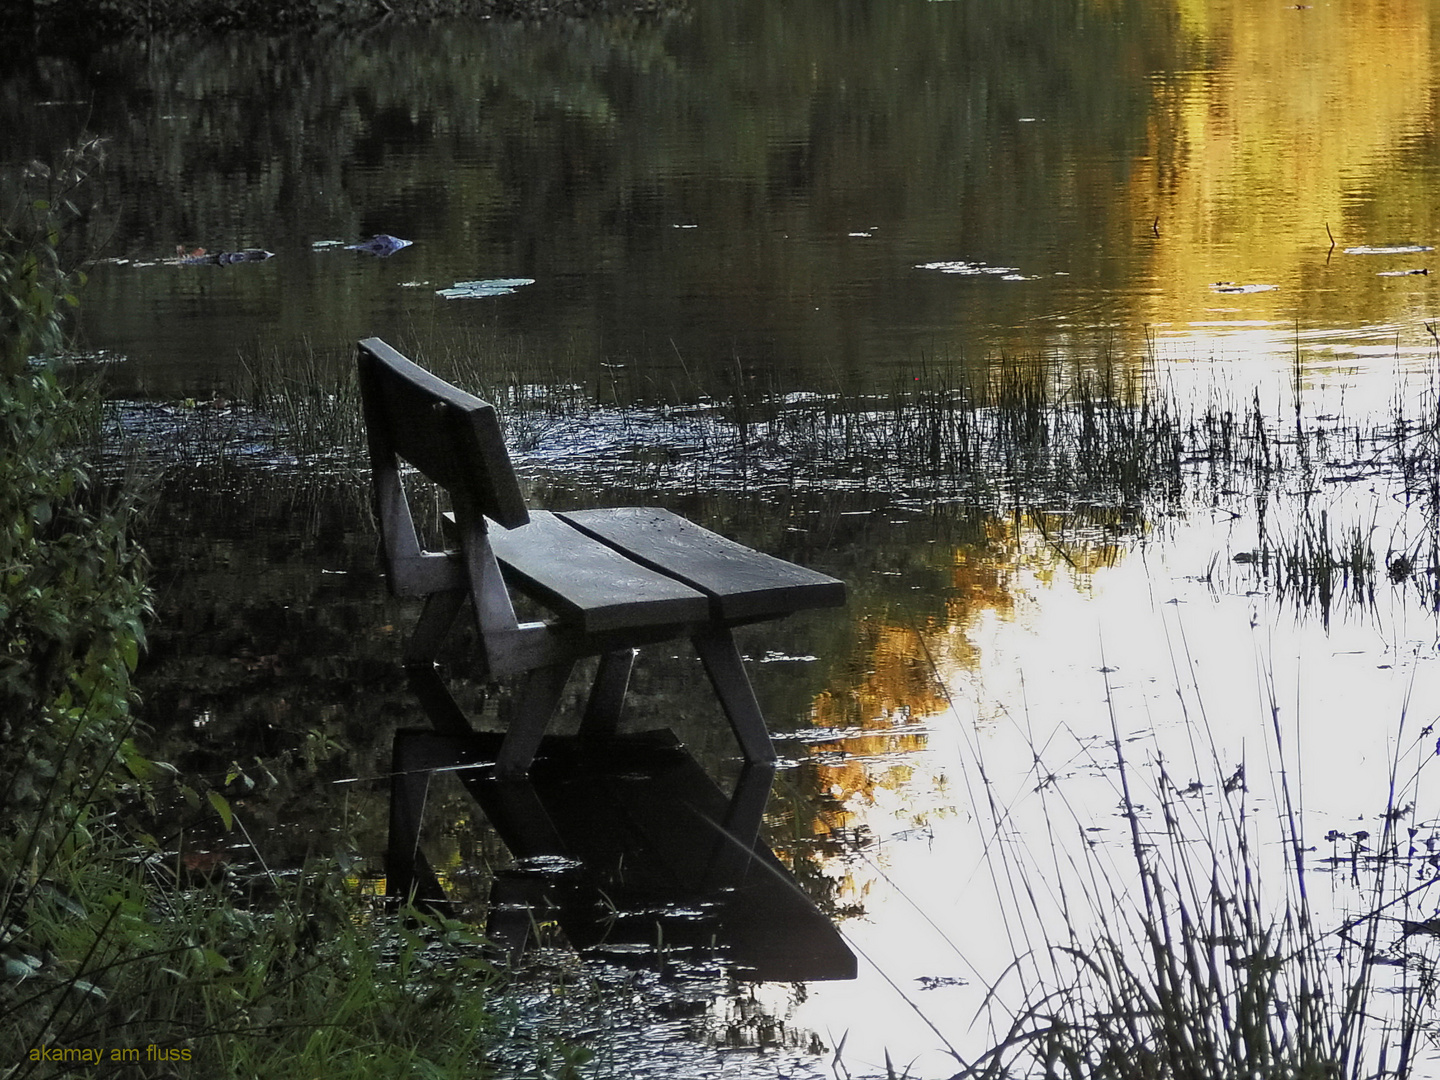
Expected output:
(742, 583)
(588, 584)
(452, 437)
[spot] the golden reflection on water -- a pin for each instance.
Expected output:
(904, 668)
(1296, 118)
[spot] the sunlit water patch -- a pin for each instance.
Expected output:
(1014, 786)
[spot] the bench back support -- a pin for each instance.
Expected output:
(453, 439)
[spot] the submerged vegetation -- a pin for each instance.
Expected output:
(1110, 449)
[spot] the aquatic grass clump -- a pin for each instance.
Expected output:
(1018, 432)
(312, 397)
(1021, 433)
(1317, 564)
(98, 17)
(1412, 451)
(1027, 432)
(1201, 980)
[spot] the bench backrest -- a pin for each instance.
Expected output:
(452, 438)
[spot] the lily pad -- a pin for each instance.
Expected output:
(1396, 249)
(960, 266)
(464, 290)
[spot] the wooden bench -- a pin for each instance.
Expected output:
(612, 581)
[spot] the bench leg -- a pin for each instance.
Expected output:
(739, 832)
(433, 626)
(721, 658)
(532, 713)
(607, 695)
(414, 757)
(436, 701)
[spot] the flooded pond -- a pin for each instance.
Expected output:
(1092, 344)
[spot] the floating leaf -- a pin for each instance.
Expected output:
(1394, 249)
(381, 244)
(463, 290)
(960, 266)
(1232, 287)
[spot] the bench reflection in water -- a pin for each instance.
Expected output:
(630, 847)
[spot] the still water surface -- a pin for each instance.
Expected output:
(823, 194)
(808, 196)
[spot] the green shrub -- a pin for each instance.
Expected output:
(35, 287)
(72, 593)
(183, 982)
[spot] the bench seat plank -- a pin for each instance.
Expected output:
(588, 584)
(742, 584)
